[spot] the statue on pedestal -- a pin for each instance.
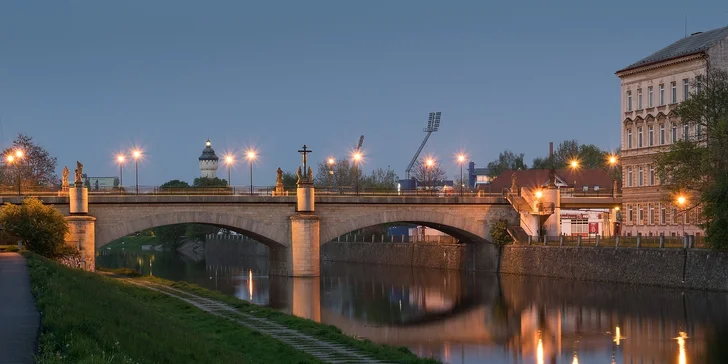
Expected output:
(279, 176)
(514, 187)
(310, 174)
(298, 175)
(78, 182)
(64, 181)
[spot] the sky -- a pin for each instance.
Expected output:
(90, 79)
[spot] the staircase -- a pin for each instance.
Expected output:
(517, 233)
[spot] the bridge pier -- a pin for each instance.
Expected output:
(81, 227)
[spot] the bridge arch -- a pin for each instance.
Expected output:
(271, 235)
(462, 228)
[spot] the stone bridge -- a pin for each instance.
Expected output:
(293, 236)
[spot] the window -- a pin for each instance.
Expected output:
(652, 214)
(579, 226)
(629, 213)
(674, 215)
(639, 137)
(698, 131)
(639, 99)
(673, 97)
(652, 176)
(674, 133)
(629, 138)
(629, 177)
(686, 132)
(662, 134)
(629, 100)
(686, 89)
(662, 94)
(698, 84)
(651, 135)
(640, 177)
(662, 215)
(649, 96)
(640, 215)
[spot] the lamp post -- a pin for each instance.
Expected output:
(461, 160)
(229, 160)
(539, 194)
(357, 157)
(15, 159)
(120, 158)
(681, 200)
(428, 175)
(331, 162)
(251, 158)
(136, 154)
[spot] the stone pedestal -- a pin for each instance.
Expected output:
(78, 200)
(305, 197)
(81, 235)
(303, 260)
(279, 190)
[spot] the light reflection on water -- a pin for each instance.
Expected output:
(473, 318)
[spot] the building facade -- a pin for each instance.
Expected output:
(651, 90)
(208, 161)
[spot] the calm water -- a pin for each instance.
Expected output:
(474, 318)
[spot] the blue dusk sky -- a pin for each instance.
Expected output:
(88, 79)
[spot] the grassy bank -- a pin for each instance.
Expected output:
(325, 332)
(88, 318)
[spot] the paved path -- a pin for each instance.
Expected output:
(322, 350)
(19, 319)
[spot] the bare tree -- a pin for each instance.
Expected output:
(37, 167)
(428, 175)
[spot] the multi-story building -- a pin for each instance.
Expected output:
(651, 90)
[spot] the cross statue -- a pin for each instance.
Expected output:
(304, 152)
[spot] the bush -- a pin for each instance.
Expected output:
(499, 233)
(42, 228)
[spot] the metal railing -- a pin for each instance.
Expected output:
(646, 242)
(379, 238)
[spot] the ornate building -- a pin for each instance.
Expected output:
(651, 90)
(208, 161)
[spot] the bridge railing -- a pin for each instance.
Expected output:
(646, 242)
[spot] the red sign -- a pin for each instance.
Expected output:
(593, 228)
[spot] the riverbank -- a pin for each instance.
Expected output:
(91, 318)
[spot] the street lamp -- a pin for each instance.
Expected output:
(331, 162)
(15, 159)
(136, 153)
(539, 194)
(229, 160)
(428, 175)
(461, 160)
(251, 158)
(681, 200)
(120, 158)
(357, 158)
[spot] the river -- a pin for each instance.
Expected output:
(461, 317)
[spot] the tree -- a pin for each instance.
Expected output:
(589, 156)
(429, 176)
(289, 180)
(37, 168)
(41, 227)
(380, 179)
(506, 161)
(499, 233)
(344, 175)
(171, 234)
(698, 167)
(175, 183)
(200, 231)
(209, 182)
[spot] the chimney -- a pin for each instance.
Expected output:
(551, 149)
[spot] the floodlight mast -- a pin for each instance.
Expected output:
(433, 125)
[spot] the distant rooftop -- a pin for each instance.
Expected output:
(695, 43)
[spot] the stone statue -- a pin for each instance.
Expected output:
(279, 176)
(298, 174)
(64, 182)
(79, 174)
(310, 174)
(514, 187)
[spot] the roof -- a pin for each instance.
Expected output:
(208, 154)
(540, 177)
(695, 43)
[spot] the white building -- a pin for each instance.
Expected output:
(208, 161)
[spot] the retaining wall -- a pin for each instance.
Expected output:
(446, 256)
(692, 268)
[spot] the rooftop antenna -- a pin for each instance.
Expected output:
(433, 125)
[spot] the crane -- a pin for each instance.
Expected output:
(433, 125)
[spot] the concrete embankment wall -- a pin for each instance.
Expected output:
(429, 255)
(235, 245)
(693, 268)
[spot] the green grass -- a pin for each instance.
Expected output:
(8, 248)
(326, 332)
(89, 318)
(132, 243)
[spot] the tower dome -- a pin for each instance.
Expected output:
(208, 161)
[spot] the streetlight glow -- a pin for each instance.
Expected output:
(251, 157)
(136, 153)
(681, 200)
(539, 194)
(461, 160)
(120, 158)
(612, 160)
(11, 158)
(430, 162)
(357, 156)
(19, 154)
(574, 163)
(331, 161)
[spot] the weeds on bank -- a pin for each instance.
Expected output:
(88, 318)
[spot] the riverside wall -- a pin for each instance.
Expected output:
(428, 255)
(681, 268)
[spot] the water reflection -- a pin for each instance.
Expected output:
(473, 318)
